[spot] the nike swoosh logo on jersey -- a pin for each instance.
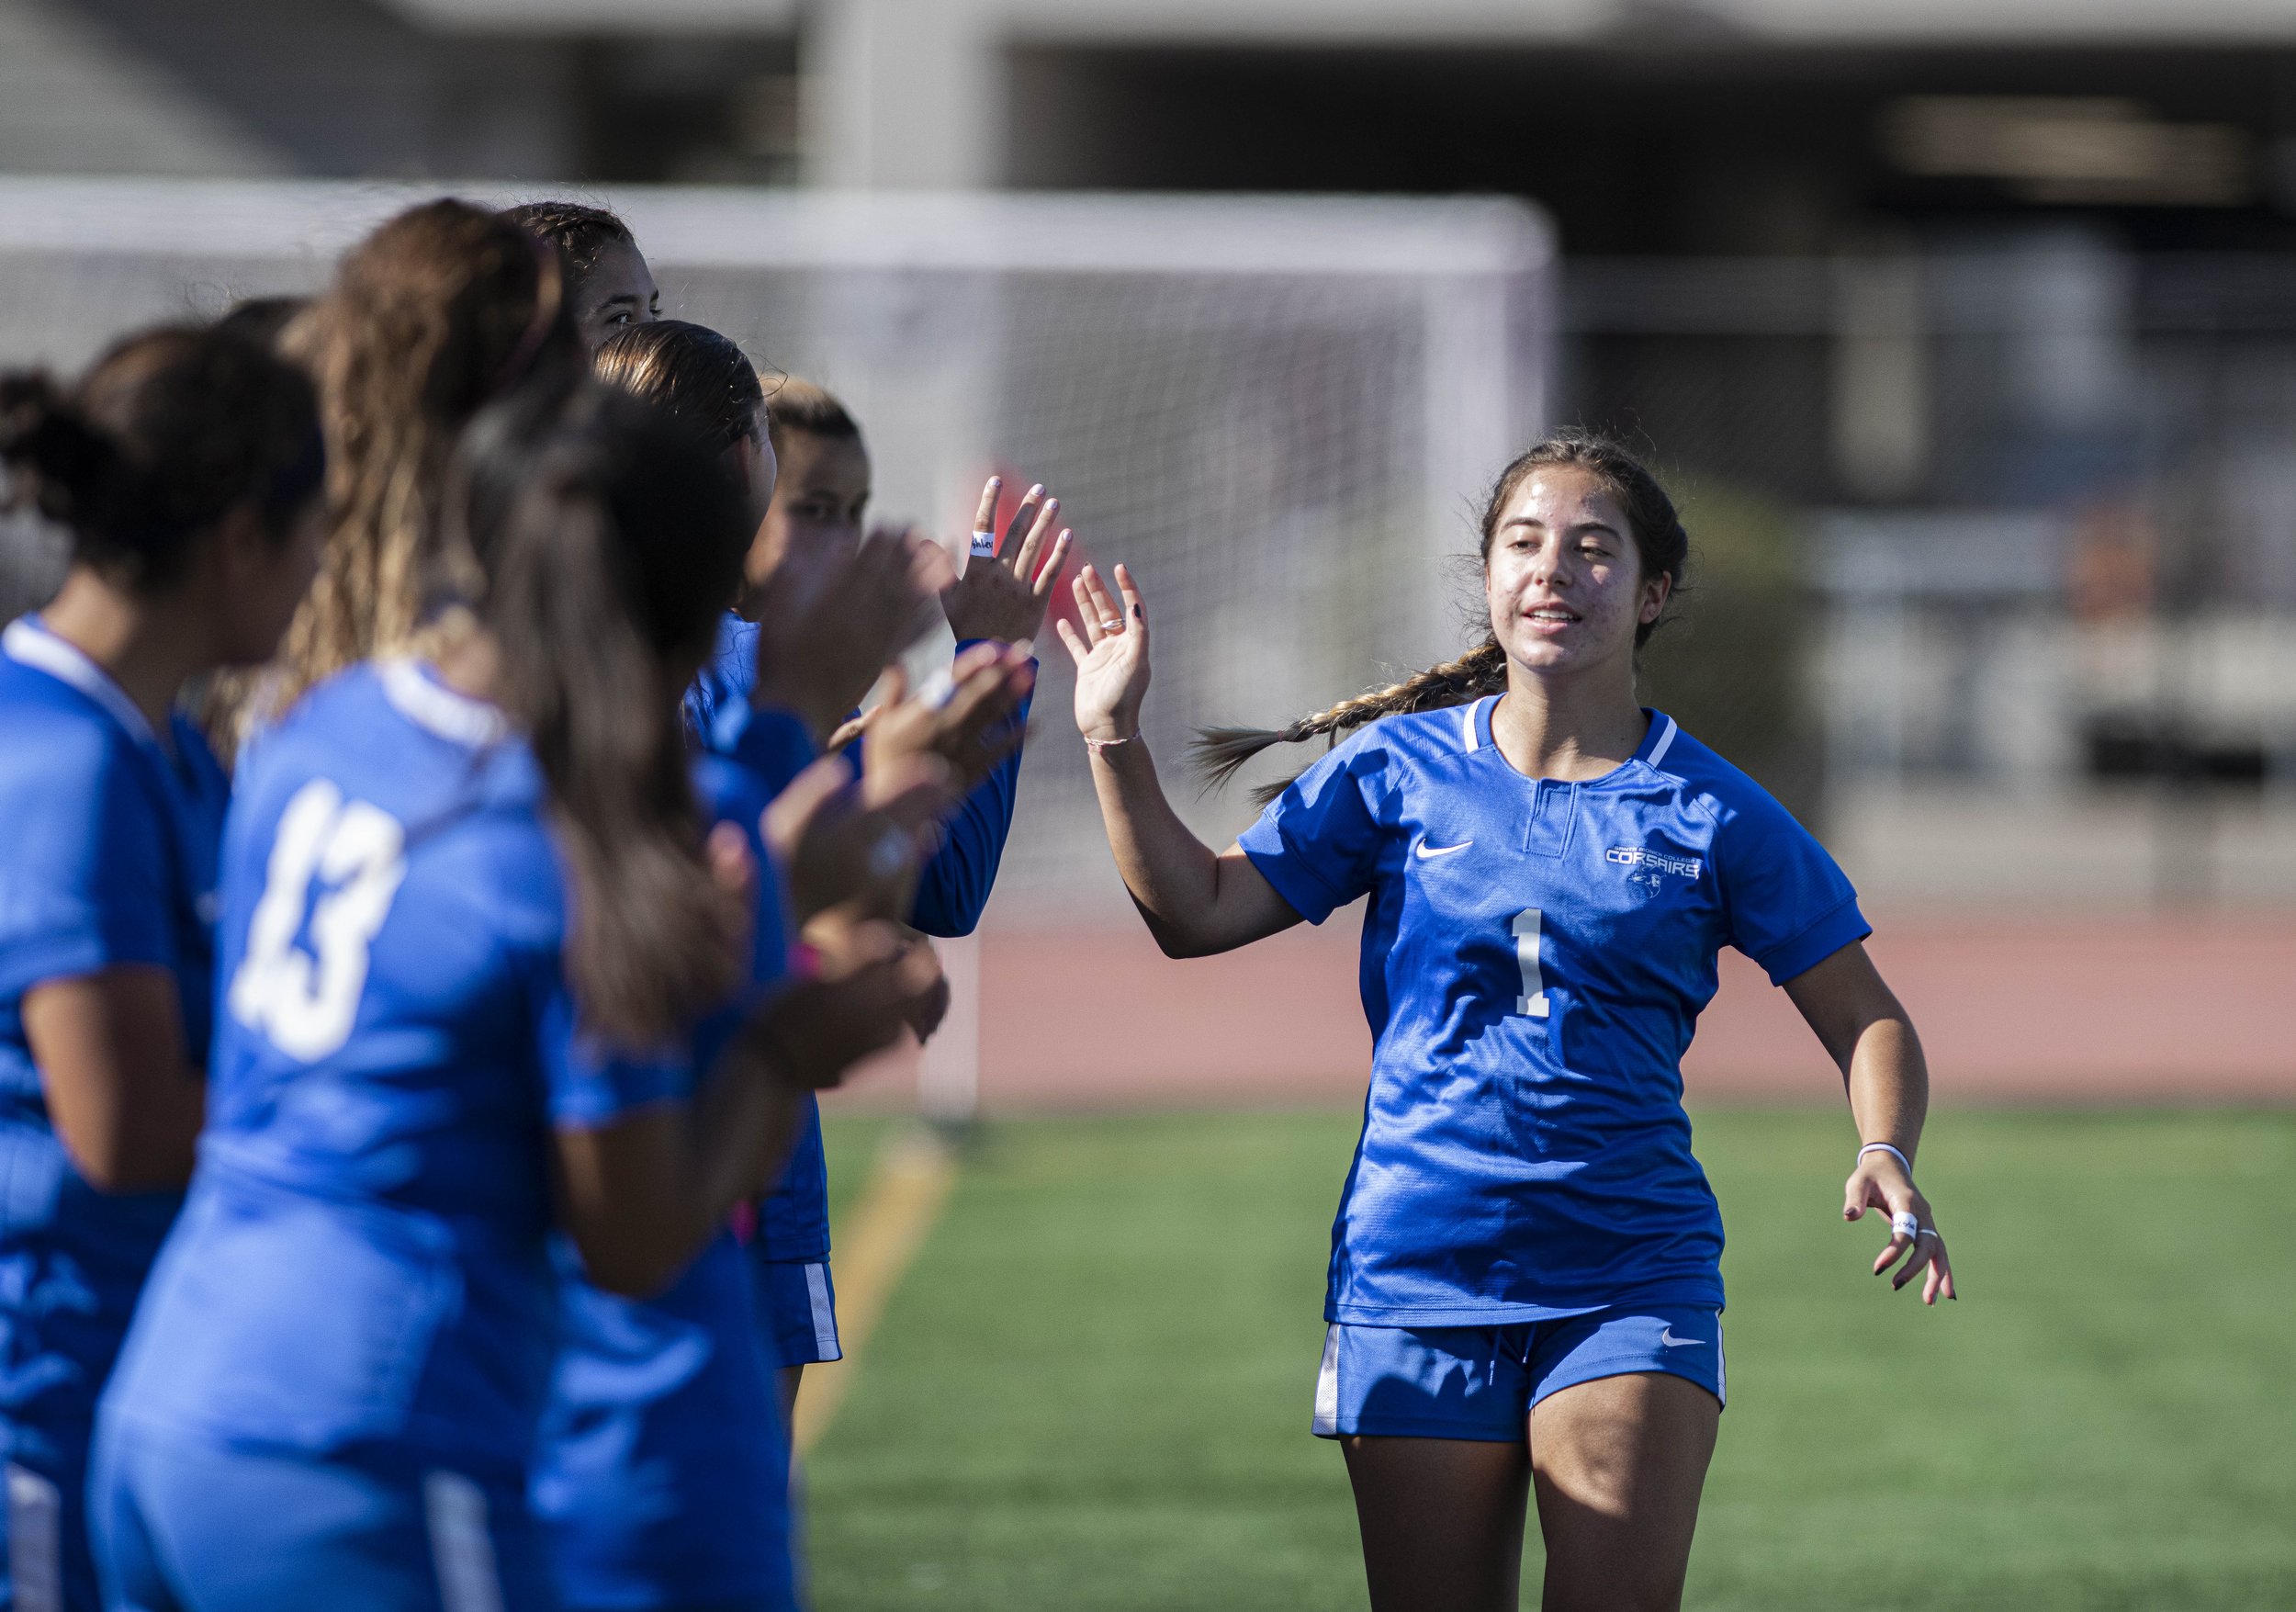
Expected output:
(1426, 851)
(1671, 1342)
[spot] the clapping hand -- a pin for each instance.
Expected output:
(824, 641)
(965, 718)
(855, 855)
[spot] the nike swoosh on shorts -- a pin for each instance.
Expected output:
(1424, 850)
(1671, 1342)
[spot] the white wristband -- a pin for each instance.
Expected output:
(1885, 1147)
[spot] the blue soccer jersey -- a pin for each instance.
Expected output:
(952, 891)
(362, 1263)
(109, 859)
(1535, 954)
(662, 1473)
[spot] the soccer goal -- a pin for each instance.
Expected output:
(1279, 411)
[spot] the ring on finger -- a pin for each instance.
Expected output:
(1114, 624)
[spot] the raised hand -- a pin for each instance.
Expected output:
(965, 718)
(1002, 596)
(1111, 656)
(856, 857)
(1881, 1182)
(823, 641)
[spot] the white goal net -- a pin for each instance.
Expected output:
(1278, 412)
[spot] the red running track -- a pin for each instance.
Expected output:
(2097, 1009)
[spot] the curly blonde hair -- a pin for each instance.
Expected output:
(441, 309)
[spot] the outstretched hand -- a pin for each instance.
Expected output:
(1001, 595)
(1881, 1182)
(1111, 656)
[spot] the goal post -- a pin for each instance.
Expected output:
(1279, 410)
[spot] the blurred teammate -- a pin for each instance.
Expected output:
(469, 929)
(1524, 1285)
(825, 605)
(436, 312)
(661, 1477)
(186, 466)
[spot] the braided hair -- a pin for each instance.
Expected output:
(1660, 544)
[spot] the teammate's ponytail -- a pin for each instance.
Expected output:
(169, 430)
(608, 539)
(1660, 544)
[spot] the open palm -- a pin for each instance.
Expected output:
(1111, 656)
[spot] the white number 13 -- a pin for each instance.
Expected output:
(1532, 1001)
(305, 1001)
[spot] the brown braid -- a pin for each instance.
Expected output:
(1221, 752)
(438, 310)
(1661, 545)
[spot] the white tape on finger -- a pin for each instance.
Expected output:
(983, 546)
(1907, 1225)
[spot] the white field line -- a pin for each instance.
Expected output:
(906, 1188)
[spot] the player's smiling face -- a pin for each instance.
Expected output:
(1563, 576)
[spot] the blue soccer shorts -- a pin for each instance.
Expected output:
(180, 1524)
(1481, 1383)
(797, 1311)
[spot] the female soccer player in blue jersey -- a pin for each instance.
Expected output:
(662, 1473)
(1524, 1286)
(832, 603)
(187, 467)
(468, 930)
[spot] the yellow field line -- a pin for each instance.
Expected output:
(909, 1183)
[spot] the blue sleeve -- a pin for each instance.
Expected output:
(773, 744)
(1318, 843)
(85, 877)
(733, 794)
(1790, 904)
(953, 888)
(586, 1086)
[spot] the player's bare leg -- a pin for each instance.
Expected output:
(1618, 1464)
(1442, 1522)
(787, 1379)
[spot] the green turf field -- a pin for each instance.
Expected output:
(1092, 1391)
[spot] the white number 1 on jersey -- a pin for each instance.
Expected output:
(1532, 1001)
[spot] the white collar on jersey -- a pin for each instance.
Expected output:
(438, 708)
(30, 644)
(1471, 728)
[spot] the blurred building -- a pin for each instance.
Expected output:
(1972, 327)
